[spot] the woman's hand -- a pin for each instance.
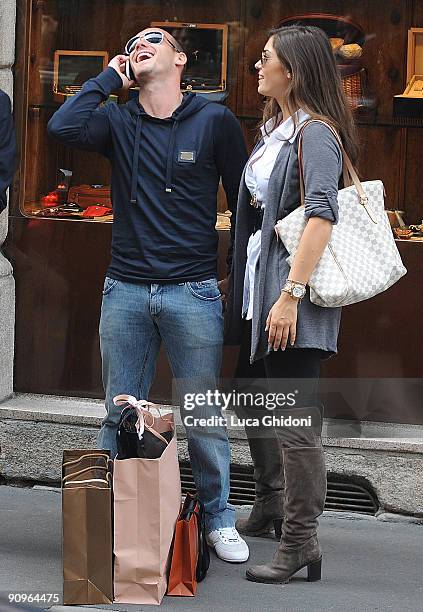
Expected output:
(282, 321)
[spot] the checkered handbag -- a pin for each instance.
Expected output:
(361, 258)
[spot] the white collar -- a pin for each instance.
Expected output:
(284, 131)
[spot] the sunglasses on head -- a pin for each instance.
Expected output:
(154, 38)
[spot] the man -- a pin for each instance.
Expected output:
(168, 152)
(7, 148)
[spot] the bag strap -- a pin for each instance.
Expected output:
(203, 560)
(347, 167)
(87, 469)
(142, 408)
(90, 480)
(88, 456)
(141, 425)
(120, 400)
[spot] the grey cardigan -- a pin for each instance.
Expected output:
(317, 327)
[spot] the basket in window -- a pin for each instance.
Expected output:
(347, 39)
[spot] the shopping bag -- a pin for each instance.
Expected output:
(147, 498)
(87, 527)
(190, 553)
(140, 433)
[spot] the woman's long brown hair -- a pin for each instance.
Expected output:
(315, 84)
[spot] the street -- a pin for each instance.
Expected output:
(368, 564)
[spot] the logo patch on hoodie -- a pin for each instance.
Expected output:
(186, 156)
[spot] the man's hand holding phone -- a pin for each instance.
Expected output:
(118, 63)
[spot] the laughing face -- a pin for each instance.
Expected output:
(159, 60)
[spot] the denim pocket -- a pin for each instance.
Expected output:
(207, 290)
(109, 283)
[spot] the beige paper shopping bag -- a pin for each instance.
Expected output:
(147, 499)
(87, 527)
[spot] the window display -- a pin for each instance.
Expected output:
(410, 103)
(73, 68)
(65, 50)
(347, 39)
(206, 48)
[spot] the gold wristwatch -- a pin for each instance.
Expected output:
(295, 290)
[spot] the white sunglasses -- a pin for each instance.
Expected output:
(155, 38)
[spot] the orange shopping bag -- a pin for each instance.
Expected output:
(190, 554)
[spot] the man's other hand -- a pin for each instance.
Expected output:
(223, 288)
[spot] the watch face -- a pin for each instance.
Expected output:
(298, 292)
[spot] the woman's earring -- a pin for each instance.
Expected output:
(288, 75)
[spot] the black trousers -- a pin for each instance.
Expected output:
(291, 363)
(299, 365)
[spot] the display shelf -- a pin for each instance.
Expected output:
(34, 209)
(379, 121)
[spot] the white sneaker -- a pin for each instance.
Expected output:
(228, 545)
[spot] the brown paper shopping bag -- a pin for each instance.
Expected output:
(147, 498)
(87, 527)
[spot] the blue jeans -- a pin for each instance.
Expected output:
(187, 317)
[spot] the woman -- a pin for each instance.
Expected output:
(269, 300)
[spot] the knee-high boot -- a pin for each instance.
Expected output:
(267, 510)
(305, 492)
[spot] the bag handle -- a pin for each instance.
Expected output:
(87, 469)
(88, 456)
(141, 425)
(142, 408)
(120, 400)
(347, 167)
(97, 480)
(203, 560)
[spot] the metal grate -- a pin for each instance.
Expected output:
(347, 496)
(343, 495)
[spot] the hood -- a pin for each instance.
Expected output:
(190, 105)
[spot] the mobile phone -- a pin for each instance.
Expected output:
(128, 71)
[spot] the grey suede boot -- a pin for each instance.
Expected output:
(265, 514)
(305, 492)
(267, 511)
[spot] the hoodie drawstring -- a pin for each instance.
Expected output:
(135, 159)
(170, 157)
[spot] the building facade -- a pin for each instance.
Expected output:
(59, 260)
(7, 283)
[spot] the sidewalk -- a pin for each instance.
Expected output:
(368, 564)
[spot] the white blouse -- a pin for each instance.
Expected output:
(257, 174)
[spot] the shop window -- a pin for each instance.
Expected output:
(71, 41)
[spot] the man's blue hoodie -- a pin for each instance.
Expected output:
(165, 176)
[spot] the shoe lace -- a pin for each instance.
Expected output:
(229, 534)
